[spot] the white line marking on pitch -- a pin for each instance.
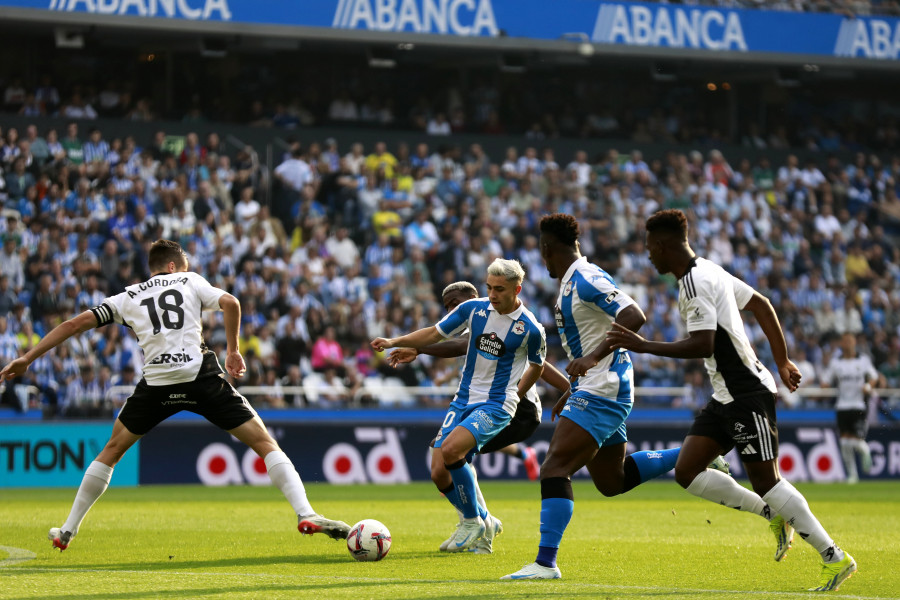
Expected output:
(599, 586)
(16, 555)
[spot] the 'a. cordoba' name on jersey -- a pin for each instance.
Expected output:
(164, 313)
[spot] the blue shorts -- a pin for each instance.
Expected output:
(601, 417)
(484, 421)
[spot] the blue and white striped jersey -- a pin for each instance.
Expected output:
(499, 347)
(586, 307)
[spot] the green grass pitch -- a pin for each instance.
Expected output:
(656, 542)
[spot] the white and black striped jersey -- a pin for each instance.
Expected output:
(850, 374)
(164, 313)
(709, 298)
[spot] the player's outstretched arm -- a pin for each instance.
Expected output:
(417, 339)
(698, 344)
(555, 377)
(631, 318)
(234, 362)
(83, 322)
(529, 378)
(448, 349)
(767, 318)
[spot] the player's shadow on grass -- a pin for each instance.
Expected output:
(255, 591)
(177, 564)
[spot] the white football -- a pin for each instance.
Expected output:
(369, 540)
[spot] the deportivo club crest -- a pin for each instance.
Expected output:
(519, 328)
(567, 289)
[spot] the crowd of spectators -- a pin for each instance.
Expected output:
(359, 242)
(542, 106)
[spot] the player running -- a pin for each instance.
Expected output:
(593, 431)
(505, 357)
(855, 376)
(741, 412)
(179, 374)
(523, 424)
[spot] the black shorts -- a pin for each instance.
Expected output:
(209, 396)
(747, 424)
(853, 422)
(521, 427)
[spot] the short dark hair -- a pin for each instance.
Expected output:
(162, 252)
(561, 226)
(462, 287)
(670, 221)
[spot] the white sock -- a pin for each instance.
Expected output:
(478, 493)
(718, 487)
(848, 454)
(786, 501)
(93, 484)
(285, 477)
(865, 455)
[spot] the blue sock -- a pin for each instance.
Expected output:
(464, 483)
(555, 516)
(652, 464)
(453, 496)
(522, 456)
(482, 511)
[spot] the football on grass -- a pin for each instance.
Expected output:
(369, 540)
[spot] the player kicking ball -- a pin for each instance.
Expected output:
(504, 358)
(522, 426)
(741, 413)
(164, 313)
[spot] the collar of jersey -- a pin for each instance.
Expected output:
(514, 315)
(571, 271)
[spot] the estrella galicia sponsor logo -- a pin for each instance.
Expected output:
(490, 346)
(640, 25)
(454, 17)
(560, 319)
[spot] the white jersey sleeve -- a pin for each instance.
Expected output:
(701, 311)
(742, 292)
(208, 294)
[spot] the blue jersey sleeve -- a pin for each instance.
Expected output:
(537, 345)
(601, 293)
(457, 320)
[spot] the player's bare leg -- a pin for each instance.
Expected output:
(94, 483)
(284, 476)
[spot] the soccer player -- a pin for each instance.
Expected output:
(179, 374)
(741, 412)
(855, 376)
(505, 357)
(593, 431)
(523, 424)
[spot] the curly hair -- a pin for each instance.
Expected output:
(561, 226)
(668, 221)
